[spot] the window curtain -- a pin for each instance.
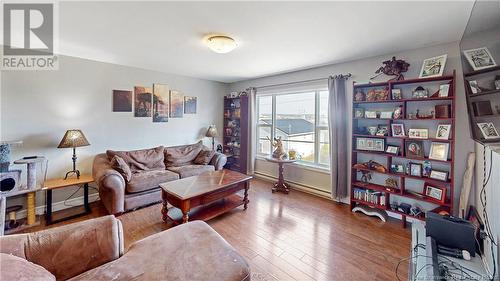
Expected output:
(252, 134)
(337, 124)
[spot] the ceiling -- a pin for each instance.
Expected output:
(273, 37)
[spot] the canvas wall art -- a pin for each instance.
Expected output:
(433, 67)
(190, 105)
(160, 103)
(176, 104)
(142, 101)
(122, 101)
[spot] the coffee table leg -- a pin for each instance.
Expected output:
(245, 198)
(185, 211)
(164, 208)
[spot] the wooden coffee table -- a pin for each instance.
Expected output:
(205, 196)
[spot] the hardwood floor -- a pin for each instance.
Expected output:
(294, 237)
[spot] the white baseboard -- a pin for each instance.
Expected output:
(58, 206)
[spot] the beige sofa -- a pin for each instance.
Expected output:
(93, 250)
(149, 168)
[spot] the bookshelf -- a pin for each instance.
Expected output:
(410, 187)
(235, 133)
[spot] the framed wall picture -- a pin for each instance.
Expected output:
(443, 131)
(143, 98)
(444, 90)
(414, 149)
(359, 112)
(435, 193)
(190, 105)
(176, 104)
(418, 133)
(122, 101)
(392, 149)
(439, 151)
(415, 169)
(438, 175)
(479, 58)
(160, 103)
(398, 130)
(370, 114)
(488, 130)
(433, 67)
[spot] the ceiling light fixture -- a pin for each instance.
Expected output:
(221, 44)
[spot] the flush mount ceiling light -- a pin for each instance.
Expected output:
(221, 44)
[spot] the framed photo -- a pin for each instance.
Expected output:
(443, 131)
(415, 169)
(370, 144)
(474, 87)
(418, 133)
(386, 115)
(396, 94)
(488, 130)
(359, 112)
(415, 149)
(479, 58)
(444, 90)
(398, 113)
(426, 168)
(433, 67)
(370, 114)
(439, 151)
(372, 130)
(439, 175)
(392, 149)
(397, 169)
(398, 130)
(382, 130)
(435, 193)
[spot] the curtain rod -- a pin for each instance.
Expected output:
(305, 81)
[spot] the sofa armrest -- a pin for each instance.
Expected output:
(69, 250)
(218, 160)
(111, 184)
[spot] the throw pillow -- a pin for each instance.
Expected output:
(122, 167)
(177, 156)
(141, 160)
(204, 157)
(16, 268)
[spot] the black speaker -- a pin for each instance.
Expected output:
(451, 232)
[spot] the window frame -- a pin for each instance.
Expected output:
(317, 126)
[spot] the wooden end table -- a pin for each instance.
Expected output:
(205, 196)
(281, 185)
(61, 183)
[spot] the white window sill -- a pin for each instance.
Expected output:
(302, 165)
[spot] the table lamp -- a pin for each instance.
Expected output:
(212, 133)
(73, 139)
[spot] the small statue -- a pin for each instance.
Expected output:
(366, 176)
(393, 67)
(279, 152)
(391, 182)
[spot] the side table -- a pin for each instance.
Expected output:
(61, 183)
(281, 185)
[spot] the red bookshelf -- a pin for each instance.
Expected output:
(235, 133)
(410, 187)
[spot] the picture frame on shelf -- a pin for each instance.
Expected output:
(359, 112)
(398, 130)
(479, 58)
(474, 87)
(397, 169)
(386, 114)
(370, 114)
(418, 133)
(398, 113)
(439, 151)
(396, 94)
(392, 149)
(433, 67)
(443, 131)
(488, 130)
(435, 193)
(382, 130)
(372, 130)
(415, 169)
(438, 175)
(444, 90)
(370, 144)
(426, 168)
(414, 148)
(482, 108)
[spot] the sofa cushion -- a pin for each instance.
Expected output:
(176, 156)
(204, 157)
(122, 167)
(16, 268)
(192, 251)
(146, 180)
(191, 170)
(141, 160)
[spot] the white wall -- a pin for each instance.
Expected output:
(38, 107)
(362, 70)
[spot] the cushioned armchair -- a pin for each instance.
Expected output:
(93, 250)
(138, 186)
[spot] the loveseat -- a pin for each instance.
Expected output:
(130, 179)
(94, 250)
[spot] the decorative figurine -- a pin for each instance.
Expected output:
(366, 177)
(279, 152)
(371, 95)
(393, 67)
(391, 182)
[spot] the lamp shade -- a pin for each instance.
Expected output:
(211, 132)
(73, 138)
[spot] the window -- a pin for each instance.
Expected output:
(300, 119)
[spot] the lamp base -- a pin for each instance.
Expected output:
(76, 172)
